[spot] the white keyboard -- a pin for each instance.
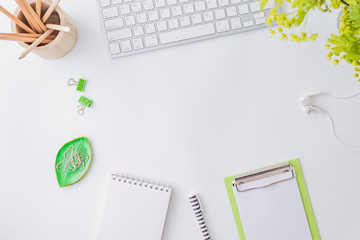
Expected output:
(136, 26)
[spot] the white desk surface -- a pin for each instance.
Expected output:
(188, 116)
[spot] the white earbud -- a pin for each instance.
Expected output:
(308, 107)
(306, 103)
(312, 108)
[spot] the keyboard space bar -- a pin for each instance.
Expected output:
(187, 33)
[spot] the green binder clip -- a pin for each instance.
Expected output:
(80, 84)
(84, 103)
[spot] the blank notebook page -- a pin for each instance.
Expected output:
(273, 212)
(134, 210)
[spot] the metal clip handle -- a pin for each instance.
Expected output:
(264, 173)
(72, 82)
(81, 110)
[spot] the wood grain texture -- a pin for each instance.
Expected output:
(16, 20)
(36, 43)
(64, 41)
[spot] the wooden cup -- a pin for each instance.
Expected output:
(64, 41)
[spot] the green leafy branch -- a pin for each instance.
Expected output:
(293, 25)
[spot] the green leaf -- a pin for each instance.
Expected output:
(353, 56)
(337, 41)
(262, 4)
(73, 161)
(337, 50)
(354, 15)
(279, 2)
(314, 36)
(295, 3)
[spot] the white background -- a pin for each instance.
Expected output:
(187, 116)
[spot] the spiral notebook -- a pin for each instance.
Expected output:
(134, 210)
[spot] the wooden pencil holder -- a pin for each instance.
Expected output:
(64, 41)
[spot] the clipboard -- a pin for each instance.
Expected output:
(272, 203)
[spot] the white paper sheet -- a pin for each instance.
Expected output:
(275, 212)
(133, 212)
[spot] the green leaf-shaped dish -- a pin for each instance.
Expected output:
(73, 161)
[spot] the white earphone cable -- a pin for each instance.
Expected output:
(341, 97)
(336, 137)
(328, 115)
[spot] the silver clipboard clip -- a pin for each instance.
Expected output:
(279, 169)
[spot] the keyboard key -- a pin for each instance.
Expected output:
(188, 8)
(235, 23)
(243, 9)
(134, 25)
(114, 23)
(259, 15)
(148, 4)
(165, 13)
(196, 18)
(260, 21)
(208, 16)
(136, 7)
(141, 18)
(176, 11)
(151, 41)
(220, 13)
(248, 23)
(173, 23)
(200, 6)
(153, 16)
(185, 21)
(187, 33)
(255, 6)
(119, 34)
(138, 43)
(222, 26)
(211, 4)
(161, 26)
(110, 12)
(247, 17)
(171, 2)
(160, 3)
(138, 30)
(114, 48)
(126, 46)
(130, 20)
(231, 11)
(115, 2)
(105, 3)
(150, 28)
(223, 3)
(124, 9)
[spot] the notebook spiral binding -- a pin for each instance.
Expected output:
(139, 182)
(197, 208)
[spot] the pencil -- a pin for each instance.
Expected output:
(24, 39)
(28, 35)
(29, 17)
(58, 27)
(38, 8)
(36, 43)
(16, 20)
(34, 15)
(50, 10)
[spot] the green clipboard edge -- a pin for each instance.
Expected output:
(304, 197)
